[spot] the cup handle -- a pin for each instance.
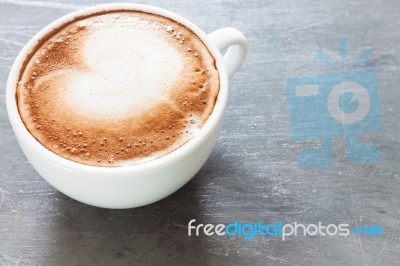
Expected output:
(236, 43)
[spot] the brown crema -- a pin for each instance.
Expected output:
(138, 136)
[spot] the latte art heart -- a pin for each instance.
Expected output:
(118, 88)
(123, 77)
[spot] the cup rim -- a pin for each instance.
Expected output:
(22, 132)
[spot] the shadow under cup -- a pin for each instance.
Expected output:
(139, 184)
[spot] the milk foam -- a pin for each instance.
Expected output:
(118, 88)
(129, 69)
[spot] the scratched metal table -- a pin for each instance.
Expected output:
(255, 172)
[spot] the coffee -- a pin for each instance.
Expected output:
(117, 88)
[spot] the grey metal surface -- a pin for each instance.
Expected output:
(253, 172)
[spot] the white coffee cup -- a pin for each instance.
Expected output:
(140, 184)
